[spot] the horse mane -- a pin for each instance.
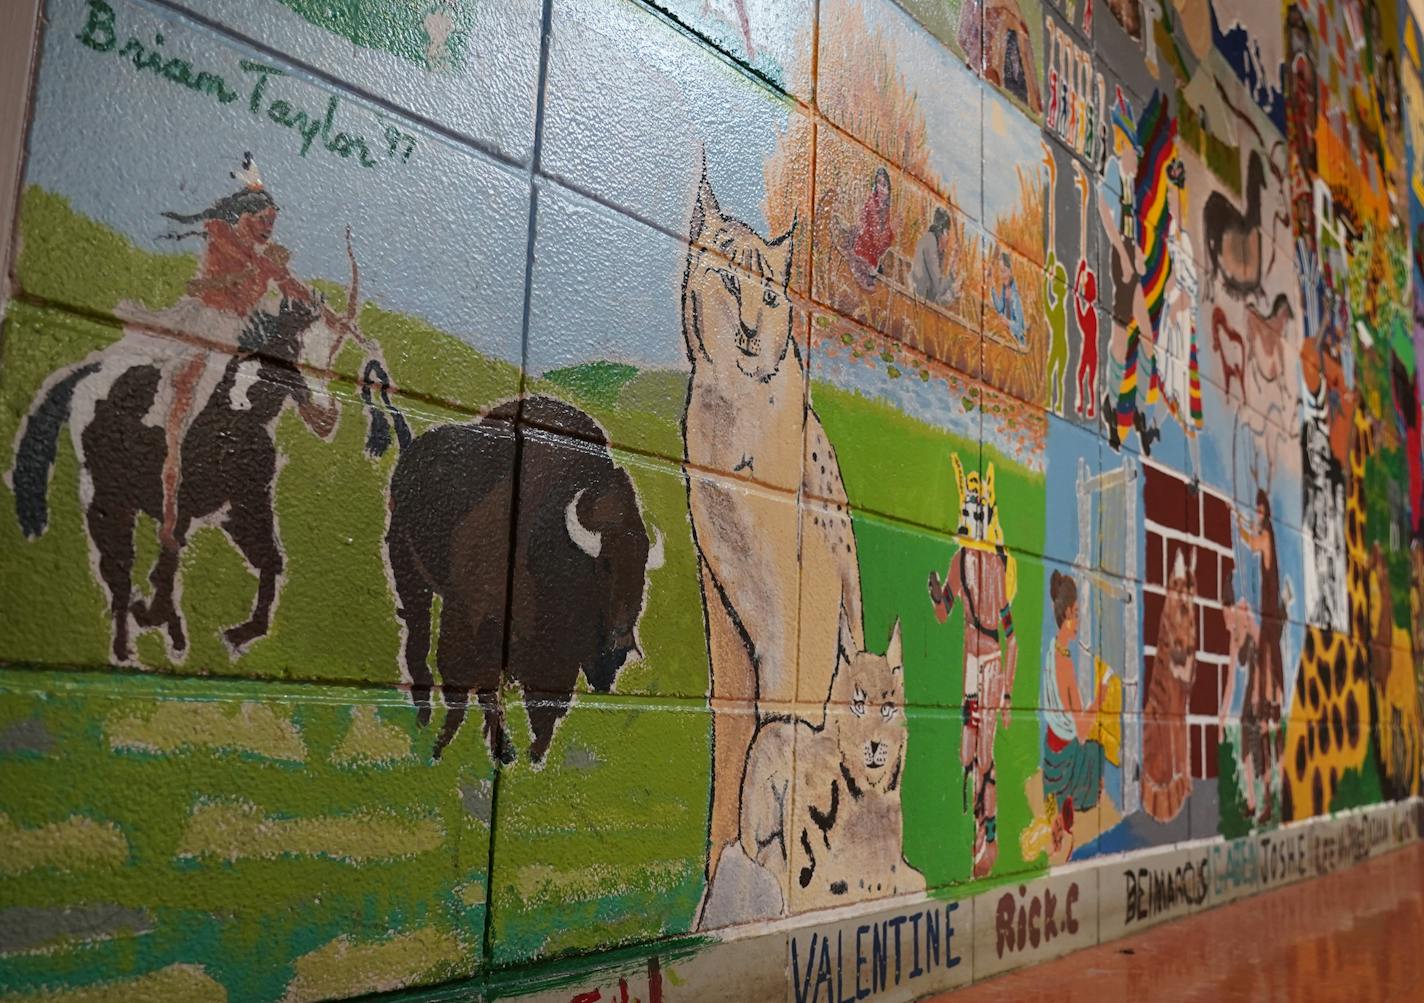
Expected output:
(277, 336)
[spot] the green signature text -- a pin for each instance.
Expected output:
(314, 128)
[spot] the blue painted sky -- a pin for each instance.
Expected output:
(631, 126)
(124, 145)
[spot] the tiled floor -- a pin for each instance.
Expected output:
(1356, 935)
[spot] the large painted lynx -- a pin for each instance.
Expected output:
(834, 835)
(747, 414)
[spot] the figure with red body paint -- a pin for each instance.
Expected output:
(1085, 299)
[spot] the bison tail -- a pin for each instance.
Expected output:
(378, 438)
(39, 445)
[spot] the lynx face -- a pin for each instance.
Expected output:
(735, 306)
(869, 728)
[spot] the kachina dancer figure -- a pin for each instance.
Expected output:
(981, 577)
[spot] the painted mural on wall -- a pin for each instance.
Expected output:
(450, 533)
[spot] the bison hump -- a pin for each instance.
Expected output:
(558, 416)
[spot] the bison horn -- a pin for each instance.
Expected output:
(590, 542)
(656, 556)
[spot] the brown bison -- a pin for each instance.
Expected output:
(575, 589)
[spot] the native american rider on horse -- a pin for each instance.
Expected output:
(243, 272)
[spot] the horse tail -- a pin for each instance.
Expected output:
(378, 438)
(38, 448)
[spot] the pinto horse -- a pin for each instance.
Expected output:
(227, 469)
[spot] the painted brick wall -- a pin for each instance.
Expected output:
(639, 499)
(1197, 525)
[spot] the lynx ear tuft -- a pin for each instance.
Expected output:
(704, 208)
(786, 244)
(894, 651)
(847, 636)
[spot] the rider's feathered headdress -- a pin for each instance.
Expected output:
(251, 198)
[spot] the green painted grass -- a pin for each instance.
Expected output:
(353, 851)
(69, 259)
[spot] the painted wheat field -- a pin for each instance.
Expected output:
(165, 817)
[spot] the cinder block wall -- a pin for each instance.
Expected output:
(596, 499)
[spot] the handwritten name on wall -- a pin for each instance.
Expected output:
(874, 957)
(1029, 919)
(1353, 839)
(1234, 868)
(1154, 891)
(619, 991)
(1284, 857)
(100, 33)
